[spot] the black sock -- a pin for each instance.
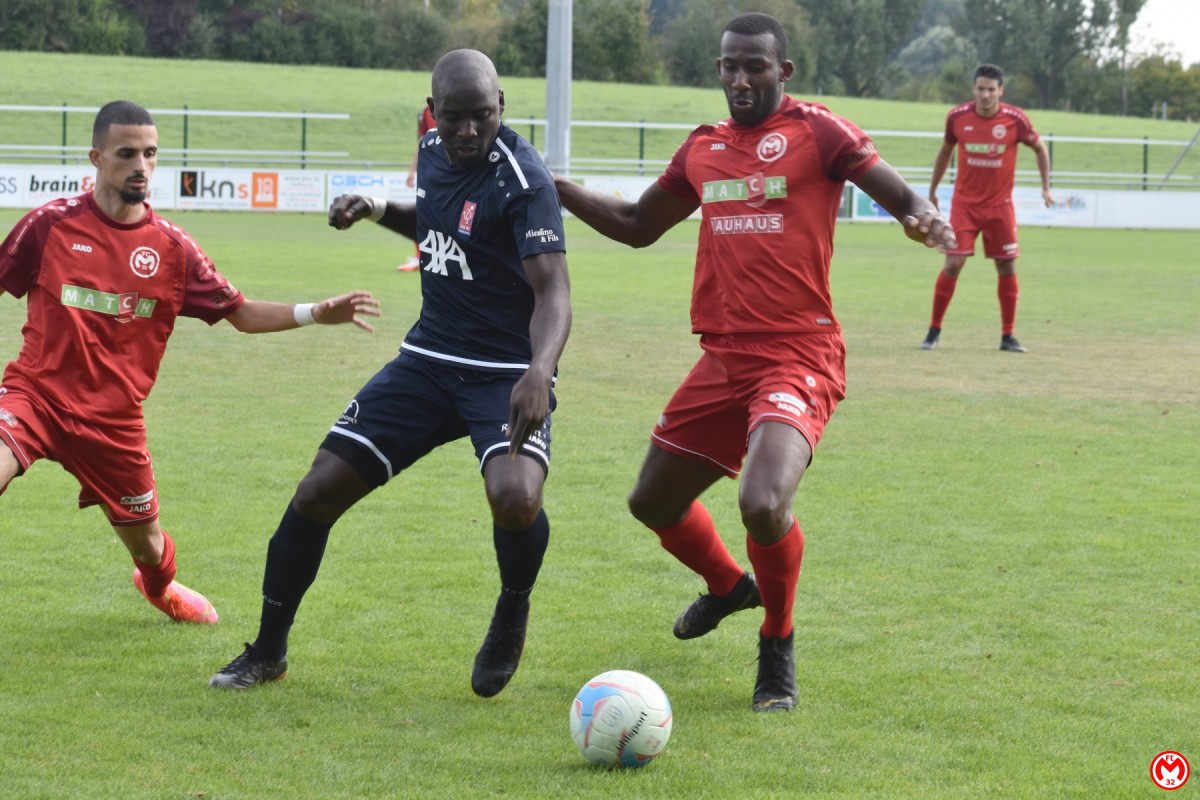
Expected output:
(293, 557)
(519, 555)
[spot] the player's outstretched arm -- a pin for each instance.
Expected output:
(921, 220)
(347, 209)
(635, 224)
(263, 316)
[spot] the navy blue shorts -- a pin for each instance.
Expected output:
(414, 405)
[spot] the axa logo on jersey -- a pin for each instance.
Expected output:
(444, 250)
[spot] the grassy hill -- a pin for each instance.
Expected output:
(383, 107)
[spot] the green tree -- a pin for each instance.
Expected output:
(855, 41)
(612, 42)
(934, 64)
(68, 26)
(522, 48)
(691, 41)
(1037, 39)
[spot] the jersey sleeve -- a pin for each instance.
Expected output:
(1025, 132)
(950, 137)
(674, 179)
(208, 295)
(846, 151)
(20, 255)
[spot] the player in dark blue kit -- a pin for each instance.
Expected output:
(479, 362)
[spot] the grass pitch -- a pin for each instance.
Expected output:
(999, 596)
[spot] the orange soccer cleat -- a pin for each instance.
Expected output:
(179, 602)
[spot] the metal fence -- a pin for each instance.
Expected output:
(1145, 164)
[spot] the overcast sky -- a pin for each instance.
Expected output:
(1173, 22)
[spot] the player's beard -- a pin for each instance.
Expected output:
(132, 197)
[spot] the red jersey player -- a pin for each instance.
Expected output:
(425, 123)
(986, 133)
(769, 183)
(105, 278)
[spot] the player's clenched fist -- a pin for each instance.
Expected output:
(347, 209)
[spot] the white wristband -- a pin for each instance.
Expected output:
(378, 207)
(303, 314)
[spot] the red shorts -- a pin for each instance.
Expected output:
(111, 463)
(742, 381)
(998, 224)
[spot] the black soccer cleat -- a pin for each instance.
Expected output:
(931, 339)
(249, 669)
(1009, 342)
(500, 653)
(706, 613)
(775, 689)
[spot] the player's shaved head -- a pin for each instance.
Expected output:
(465, 70)
(467, 103)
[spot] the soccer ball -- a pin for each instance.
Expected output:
(621, 719)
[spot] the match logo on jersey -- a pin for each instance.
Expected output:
(772, 146)
(467, 218)
(144, 262)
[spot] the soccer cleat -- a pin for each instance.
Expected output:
(411, 265)
(249, 669)
(931, 339)
(707, 612)
(775, 689)
(500, 653)
(1009, 342)
(179, 602)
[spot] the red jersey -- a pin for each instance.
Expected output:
(987, 152)
(102, 301)
(769, 196)
(426, 123)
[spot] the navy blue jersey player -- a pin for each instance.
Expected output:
(479, 362)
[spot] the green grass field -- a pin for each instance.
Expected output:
(1001, 586)
(384, 105)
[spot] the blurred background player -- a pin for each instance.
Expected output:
(769, 183)
(105, 278)
(425, 123)
(479, 362)
(986, 132)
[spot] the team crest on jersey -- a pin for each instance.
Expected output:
(144, 262)
(999, 131)
(772, 146)
(467, 218)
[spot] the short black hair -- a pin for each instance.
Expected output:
(989, 71)
(118, 112)
(754, 23)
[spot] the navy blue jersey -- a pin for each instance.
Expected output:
(473, 228)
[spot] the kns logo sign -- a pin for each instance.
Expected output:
(192, 184)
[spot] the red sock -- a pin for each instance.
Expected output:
(777, 570)
(157, 577)
(1006, 290)
(695, 542)
(943, 290)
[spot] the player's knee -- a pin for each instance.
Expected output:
(515, 509)
(316, 500)
(650, 511)
(766, 518)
